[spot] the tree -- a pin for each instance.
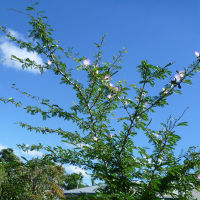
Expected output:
(44, 179)
(8, 156)
(72, 181)
(34, 179)
(12, 168)
(129, 170)
(2, 175)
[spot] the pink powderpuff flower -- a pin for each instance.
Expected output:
(116, 89)
(107, 77)
(109, 96)
(196, 53)
(87, 62)
(177, 77)
(95, 138)
(111, 135)
(49, 62)
(111, 85)
(145, 104)
(198, 176)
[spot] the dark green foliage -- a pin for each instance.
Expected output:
(72, 181)
(35, 179)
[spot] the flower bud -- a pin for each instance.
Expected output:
(87, 62)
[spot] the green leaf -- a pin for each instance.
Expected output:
(29, 8)
(183, 124)
(189, 82)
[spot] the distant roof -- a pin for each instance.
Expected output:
(86, 190)
(93, 189)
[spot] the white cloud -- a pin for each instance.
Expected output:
(17, 35)
(8, 48)
(77, 170)
(2, 147)
(33, 153)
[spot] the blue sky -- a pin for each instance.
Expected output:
(153, 30)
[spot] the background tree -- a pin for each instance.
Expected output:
(44, 178)
(8, 156)
(72, 181)
(2, 175)
(130, 170)
(13, 169)
(34, 179)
